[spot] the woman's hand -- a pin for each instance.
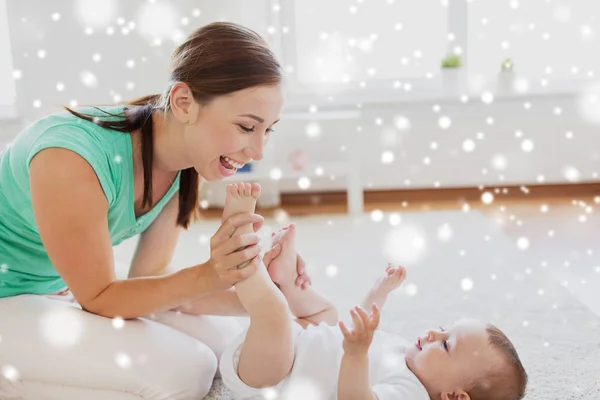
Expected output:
(227, 252)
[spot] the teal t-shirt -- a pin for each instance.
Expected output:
(24, 263)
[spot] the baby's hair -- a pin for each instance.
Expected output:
(506, 383)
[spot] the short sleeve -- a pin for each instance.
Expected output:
(85, 145)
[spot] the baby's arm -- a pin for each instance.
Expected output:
(353, 381)
(393, 278)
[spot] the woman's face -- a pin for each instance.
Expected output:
(232, 130)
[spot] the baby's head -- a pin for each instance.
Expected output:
(470, 360)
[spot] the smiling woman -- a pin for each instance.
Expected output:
(76, 183)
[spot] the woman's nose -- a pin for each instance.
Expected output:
(255, 150)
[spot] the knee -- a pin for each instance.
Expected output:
(195, 373)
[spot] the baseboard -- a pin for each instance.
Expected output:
(429, 199)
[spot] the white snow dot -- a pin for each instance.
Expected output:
(37, 103)
(489, 121)
(55, 17)
(402, 123)
(569, 135)
(88, 79)
(499, 162)
(523, 243)
(196, 12)
(275, 174)
(557, 110)
(487, 98)
(487, 198)
(118, 322)
(157, 21)
(394, 219)
(468, 145)
(444, 122)
(204, 204)
(514, 4)
(444, 233)
(387, 157)
(270, 394)
(466, 284)
(122, 360)
(571, 173)
(304, 183)
(4, 268)
(10, 372)
(527, 145)
(544, 208)
(405, 244)
(41, 53)
(562, 14)
(331, 270)
(130, 63)
(433, 145)
(525, 323)
(62, 327)
(377, 215)
(527, 105)
(313, 130)
(411, 289)
(17, 74)
(60, 86)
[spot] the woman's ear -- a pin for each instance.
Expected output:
(183, 105)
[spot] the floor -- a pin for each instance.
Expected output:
(533, 271)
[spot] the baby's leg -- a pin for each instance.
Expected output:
(267, 354)
(309, 306)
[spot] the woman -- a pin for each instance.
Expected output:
(74, 184)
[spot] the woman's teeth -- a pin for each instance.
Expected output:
(234, 164)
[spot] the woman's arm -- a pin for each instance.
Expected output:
(156, 246)
(71, 214)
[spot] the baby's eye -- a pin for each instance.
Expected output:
(446, 345)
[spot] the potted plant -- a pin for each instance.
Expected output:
(506, 76)
(451, 73)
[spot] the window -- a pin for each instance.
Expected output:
(545, 40)
(359, 50)
(7, 84)
(343, 44)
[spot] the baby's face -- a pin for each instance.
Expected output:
(445, 360)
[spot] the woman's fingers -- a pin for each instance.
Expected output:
(229, 226)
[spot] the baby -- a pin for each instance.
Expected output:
(324, 359)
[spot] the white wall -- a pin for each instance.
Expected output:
(69, 52)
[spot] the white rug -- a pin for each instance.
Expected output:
(459, 264)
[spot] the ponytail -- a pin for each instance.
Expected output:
(140, 117)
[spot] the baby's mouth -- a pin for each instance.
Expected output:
(419, 344)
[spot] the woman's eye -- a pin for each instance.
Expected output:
(246, 129)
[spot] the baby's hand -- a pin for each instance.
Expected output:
(358, 340)
(393, 278)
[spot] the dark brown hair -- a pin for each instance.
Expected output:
(215, 60)
(506, 383)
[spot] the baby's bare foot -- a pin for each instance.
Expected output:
(391, 280)
(241, 198)
(282, 269)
